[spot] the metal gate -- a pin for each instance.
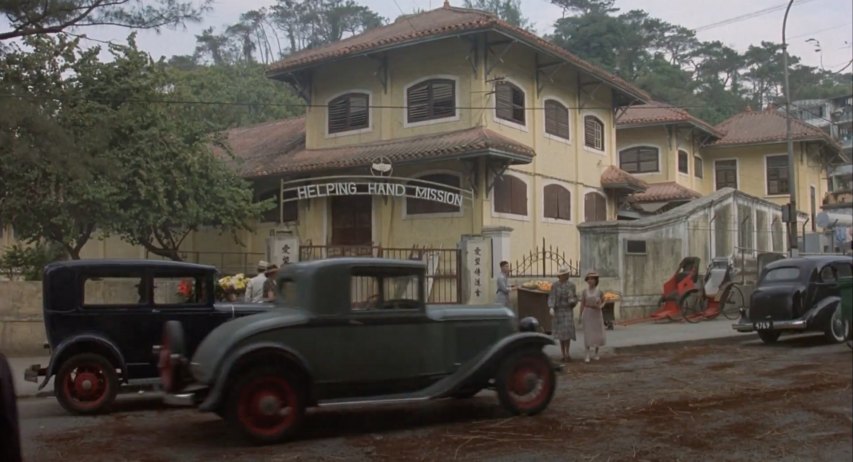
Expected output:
(544, 262)
(444, 266)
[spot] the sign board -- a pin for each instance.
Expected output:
(477, 252)
(366, 185)
(283, 250)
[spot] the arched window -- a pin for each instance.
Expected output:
(509, 102)
(349, 112)
(558, 202)
(683, 162)
(423, 207)
(556, 119)
(593, 135)
(430, 100)
(640, 159)
(290, 212)
(510, 195)
(594, 207)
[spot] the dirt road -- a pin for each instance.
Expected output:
(738, 401)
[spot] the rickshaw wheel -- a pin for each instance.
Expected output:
(692, 305)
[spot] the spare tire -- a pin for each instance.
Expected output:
(172, 357)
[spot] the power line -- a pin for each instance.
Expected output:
(820, 30)
(746, 16)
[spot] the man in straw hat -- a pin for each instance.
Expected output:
(255, 288)
(592, 302)
(562, 299)
(270, 283)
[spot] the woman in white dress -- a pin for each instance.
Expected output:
(592, 302)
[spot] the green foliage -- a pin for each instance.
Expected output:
(26, 17)
(508, 10)
(28, 262)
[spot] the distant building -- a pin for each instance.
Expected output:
(832, 115)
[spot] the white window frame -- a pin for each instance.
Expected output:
(545, 115)
(737, 172)
(788, 166)
(442, 120)
(349, 132)
(572, 207)
(528, 181)
(640, 145)
(604, 140)
(416, 216)
(509, 123)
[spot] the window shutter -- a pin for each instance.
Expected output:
(503, 101)
(349, 112)
(557, 202)
(519, 196)
(593, 133)
(418, 107)
(556, 119)
(682, 162)
(595, 207)
(565, 204)
(443, 99)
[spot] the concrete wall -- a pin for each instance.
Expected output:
(21, 319)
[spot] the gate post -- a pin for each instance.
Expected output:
(476, 263)
(500, 246)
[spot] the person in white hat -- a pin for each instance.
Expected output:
(561, 300)
(592, 303)
(255, 287)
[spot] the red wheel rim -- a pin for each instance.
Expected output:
(86, 386)
(267, 406)
(164, 363)
(530, 383)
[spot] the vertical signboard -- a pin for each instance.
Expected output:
(477, 250)
(283, 250)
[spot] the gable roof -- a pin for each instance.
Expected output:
(767, 126)
(664, 192)
(278, 148)
(437, 24)
(657, 113)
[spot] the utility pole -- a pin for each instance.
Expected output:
(792, 170)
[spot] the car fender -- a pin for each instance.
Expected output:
(68, 344)
(482, 367)
(819, 314)
(218, 390)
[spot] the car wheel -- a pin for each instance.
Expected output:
(86, 383)
(769, 336)
(525, 382)
(172, 351)
(267, 405)
(836, 328)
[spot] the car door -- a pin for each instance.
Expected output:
(387, 329)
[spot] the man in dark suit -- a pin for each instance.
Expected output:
(10, 435)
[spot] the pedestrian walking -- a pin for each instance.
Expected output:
(255, 288)
(504, 288)
(10, 434)
(561, 301)
(270, 285)
(592, 303)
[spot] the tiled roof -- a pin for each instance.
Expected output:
(664, 192)
(657, 113)
(616, 178)
(768, 126)
(278, 148)
(442, 22)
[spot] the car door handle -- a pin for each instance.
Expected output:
(355, 322)
(155, 311)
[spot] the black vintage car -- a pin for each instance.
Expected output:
(797, 295)
(102, 318)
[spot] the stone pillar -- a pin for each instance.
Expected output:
(477, 288)
(282, 248)
(499, 236)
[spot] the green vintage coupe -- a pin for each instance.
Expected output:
(355, 331)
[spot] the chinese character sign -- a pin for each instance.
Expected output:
(477, 252)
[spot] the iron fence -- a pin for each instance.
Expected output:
(444, 266)
(544, 262)
(225, 262)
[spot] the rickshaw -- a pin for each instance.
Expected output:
(703, 302)
(683, 280)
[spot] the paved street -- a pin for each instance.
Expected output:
(722, 400)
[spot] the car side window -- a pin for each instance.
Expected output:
(181, 290)
(113, 291)
(364, 293)
(385, 291)
(843, 270)
(827, 274)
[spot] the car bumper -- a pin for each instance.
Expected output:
(749, 326)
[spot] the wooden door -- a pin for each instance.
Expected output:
(352, 220)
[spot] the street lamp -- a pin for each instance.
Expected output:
(792, 172)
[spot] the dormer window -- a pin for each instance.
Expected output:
(509, 102)
(349, 112)
(430, 100)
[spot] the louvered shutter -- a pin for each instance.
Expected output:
(593, 133)
(443, 99)
(503, 101)
(349, 112)
(418, 97)
(552, 201)
(556, 119)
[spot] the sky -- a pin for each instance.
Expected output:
(828, 21)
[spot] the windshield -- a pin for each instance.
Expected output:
(786, 273)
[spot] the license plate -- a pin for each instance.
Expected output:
(763, 325)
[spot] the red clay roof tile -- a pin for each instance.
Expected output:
(664, 192)
(767, 126)
(657, 113)
(615, 177)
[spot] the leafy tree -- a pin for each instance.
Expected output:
(56, 178)
(508, 10)
(31, 17)
(311, 23)
(598, 7)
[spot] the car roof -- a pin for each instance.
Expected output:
(809, 261)
(128, 263)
